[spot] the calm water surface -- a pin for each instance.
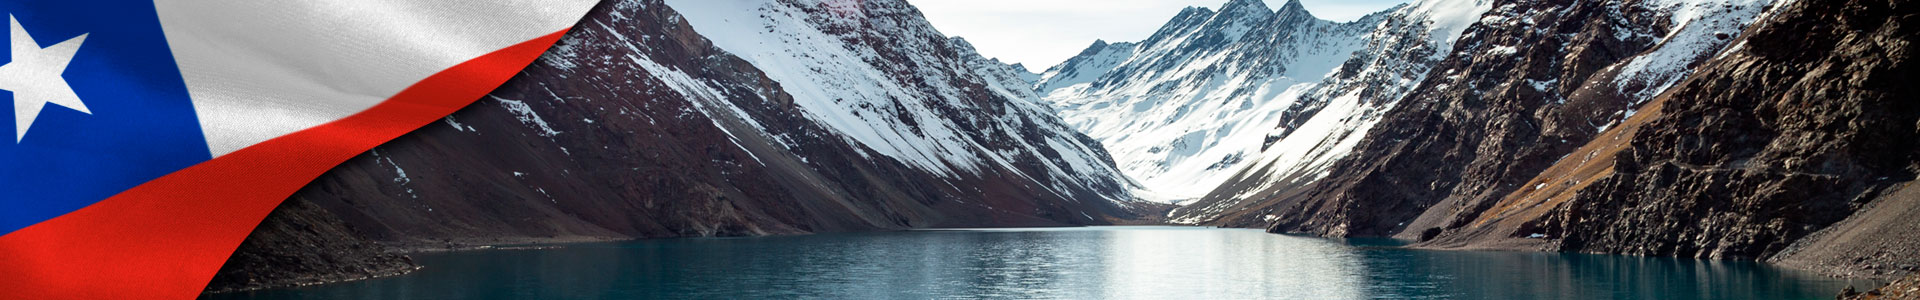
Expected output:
(1075, 263)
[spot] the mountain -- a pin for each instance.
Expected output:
(1798, 144)
(691, 118)
(1738, 129)
(1186, 108)
(1329, 117)
(1522, 87)
(1732, 129)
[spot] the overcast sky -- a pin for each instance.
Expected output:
(1042, 33)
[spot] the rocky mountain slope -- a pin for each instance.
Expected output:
(644, 122)
(1599, 126)
(1804, 120)
(1523, 87)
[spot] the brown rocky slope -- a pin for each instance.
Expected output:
(1809, 120)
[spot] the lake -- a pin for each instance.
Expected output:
(1058, 263)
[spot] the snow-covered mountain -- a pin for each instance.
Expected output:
(1247, 88)
(879, 74)
(1332, 115)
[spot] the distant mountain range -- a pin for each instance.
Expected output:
(1778, 130)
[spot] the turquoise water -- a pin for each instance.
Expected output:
(1071, 263)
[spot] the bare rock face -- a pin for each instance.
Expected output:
(1800, 121)
(1628, 127)
(636, 126)
(1811, 119)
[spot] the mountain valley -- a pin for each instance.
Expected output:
(1781, 131)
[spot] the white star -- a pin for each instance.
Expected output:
(34, 78)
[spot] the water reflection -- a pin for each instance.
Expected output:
(1108, 263)
(1511, 275)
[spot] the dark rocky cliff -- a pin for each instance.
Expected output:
(635, 126)
(1813, 117)
(1537, 134)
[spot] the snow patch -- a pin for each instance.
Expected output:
(1700, 29)
(526, 116)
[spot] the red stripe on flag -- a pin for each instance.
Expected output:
(166, 238)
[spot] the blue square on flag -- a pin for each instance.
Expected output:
(98, 107)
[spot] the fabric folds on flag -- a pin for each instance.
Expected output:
(152, 136)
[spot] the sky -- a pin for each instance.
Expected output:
(1042, 33)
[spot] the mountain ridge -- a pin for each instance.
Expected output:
(636, 125)
(1236, 58)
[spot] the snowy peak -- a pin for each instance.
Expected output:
(1098, 45)
(879, 76)
(1092, 63)
(1196, 101)
(1330, 117)
(1236, 18)
(1022, 68)
(1237, 7)
(1192, 13)
(1294, 6)
(1190, 18)
(1198, 32)
(1027, 76)
(1293, 12)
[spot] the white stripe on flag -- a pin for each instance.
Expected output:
(259, 69)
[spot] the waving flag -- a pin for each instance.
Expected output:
(150, 137)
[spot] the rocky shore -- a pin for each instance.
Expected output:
(1908, 288)
(301, 244)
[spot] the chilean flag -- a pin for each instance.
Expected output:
(150, 137)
